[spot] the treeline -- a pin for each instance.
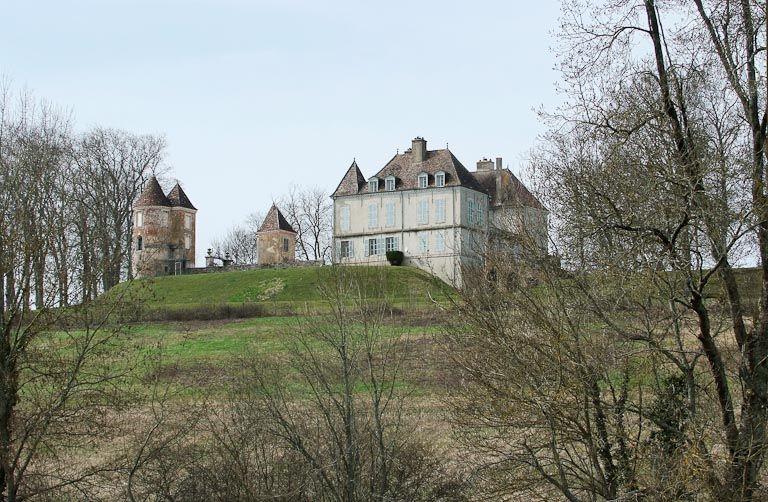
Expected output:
(65, 203)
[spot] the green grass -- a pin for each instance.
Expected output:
(198, 358)
(295, 286)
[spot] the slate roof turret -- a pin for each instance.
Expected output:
(352, 181)
(178, 198)
(275, 221)
(152, 195)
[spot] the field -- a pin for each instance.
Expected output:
(196, 355)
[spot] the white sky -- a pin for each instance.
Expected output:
(254, 96)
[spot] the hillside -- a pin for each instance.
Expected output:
(198, 350)
(404, 285)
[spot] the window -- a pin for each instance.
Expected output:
(285, 244)
(375, 247)
(187, 242)
(390, 214)
(139, 243)
(373, 216)
(187, 221)
(440, 242)
(373, 185)
(346, 250)
(344, 217)
(440, 179)
(440, 211)
(164, 219)
(389, 184)
(474, 212)
(423, 212)
(392, 244)
(423, 180)
(423, 243)
(139, 218)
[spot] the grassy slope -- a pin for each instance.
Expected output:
(200, 354)
(196, 354)
(296, 285)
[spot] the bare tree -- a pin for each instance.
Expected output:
(54, 387)
(310, 213)
(330, 421)
(114, 165)
(240, 242)
(655, 170)
(347, 424)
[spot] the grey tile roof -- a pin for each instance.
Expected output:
(178, 198)
(152, 195)
(406, 170)
(507, 190)
(274, 220)
(404, 167)
(352, 181)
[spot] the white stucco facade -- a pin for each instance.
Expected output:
(438, 229)
(426, 204)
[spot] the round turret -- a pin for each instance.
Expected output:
(163, 232)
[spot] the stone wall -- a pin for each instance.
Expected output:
(180, 233)
(164, 236)
(272, 248)
(155, 234)
(231, 268)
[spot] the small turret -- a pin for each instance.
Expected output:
(276, 239)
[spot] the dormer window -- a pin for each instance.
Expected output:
(373, 185)
(440, 179)
(423, 180)
(389, 183)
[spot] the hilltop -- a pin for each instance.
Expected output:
(287, 286)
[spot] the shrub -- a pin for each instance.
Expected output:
(206, 312)
(395, 257)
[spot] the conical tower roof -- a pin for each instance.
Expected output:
(351, 182)
(152, 195)
(275, 221)
(178, 198)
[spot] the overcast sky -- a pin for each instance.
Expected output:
(254, 96)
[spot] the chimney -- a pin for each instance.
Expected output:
(485, 165)
(498, 163)
(419, 149)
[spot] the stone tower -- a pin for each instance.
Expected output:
(163, 232)
(276, 239)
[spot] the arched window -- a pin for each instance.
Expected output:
(440, 179)
(423, 180)
(389, 183)
(373, 185)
